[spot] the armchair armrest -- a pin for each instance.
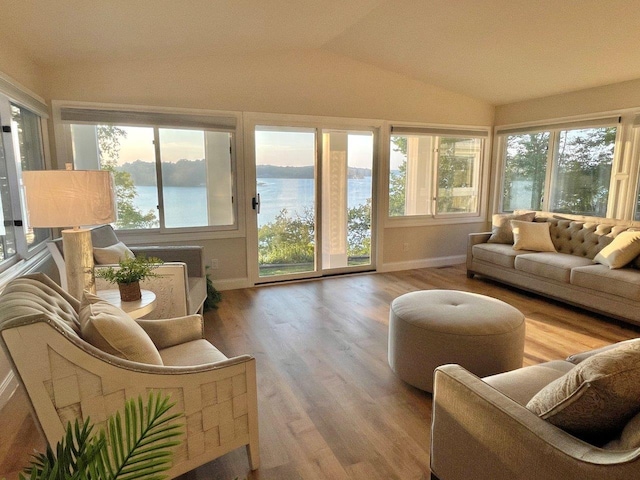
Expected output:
(168, 332)
(477, 429)
(192, 256)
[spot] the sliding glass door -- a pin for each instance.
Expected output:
(313, 201)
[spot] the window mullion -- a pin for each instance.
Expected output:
(160, 206)
(552, 147)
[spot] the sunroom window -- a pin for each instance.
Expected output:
(170, 171)
(434, 172)
(564, 170)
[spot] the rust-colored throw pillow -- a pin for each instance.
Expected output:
(501, 231)
(113, 331)
(596, 398)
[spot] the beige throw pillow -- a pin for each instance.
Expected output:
(112, 254)
(113, 331)
(621, 251)
(534, 236)
(596, 398)
(501, 231)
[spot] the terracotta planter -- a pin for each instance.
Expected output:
(130, 292)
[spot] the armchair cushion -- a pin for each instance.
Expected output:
(197, 352)
(113, 331)
(112, 254)
(630, 437)
(596, 398)
(173, 331)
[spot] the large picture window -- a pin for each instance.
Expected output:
(434, 172)
(564, 170)
(170, 171)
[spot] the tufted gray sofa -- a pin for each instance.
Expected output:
(570, 275)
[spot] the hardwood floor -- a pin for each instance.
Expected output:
(329, 406)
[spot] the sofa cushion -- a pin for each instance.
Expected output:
(522, 384)
(623, 282)
(556, 266)
(113, 331)
(196, 352)
(112, 254)
(629, 439)
(497, 253)
(597, 397)
(532, 236)
(621, 251)
(501, 231)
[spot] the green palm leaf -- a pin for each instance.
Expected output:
(136, 446)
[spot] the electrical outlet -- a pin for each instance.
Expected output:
(214, 263)
(405, 247)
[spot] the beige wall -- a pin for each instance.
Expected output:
(17, 65)
(429, 242)
(303, 82)
(592, 100)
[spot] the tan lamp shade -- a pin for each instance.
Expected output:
(69, 198)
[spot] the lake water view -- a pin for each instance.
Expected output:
(186, 206)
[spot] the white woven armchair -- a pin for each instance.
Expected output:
(66, 378)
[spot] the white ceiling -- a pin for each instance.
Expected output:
(499, 51)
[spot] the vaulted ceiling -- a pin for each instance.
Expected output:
(499, 51)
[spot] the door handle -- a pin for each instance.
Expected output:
(255, 203)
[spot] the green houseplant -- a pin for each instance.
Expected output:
(128, 274)
(134, 447)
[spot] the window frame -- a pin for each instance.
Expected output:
(12, 94)
(194, 119)
(439, 131)
(554, 129)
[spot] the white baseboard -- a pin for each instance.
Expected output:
(232, 284)
(423, 263)
(7, 387)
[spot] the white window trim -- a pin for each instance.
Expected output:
(437, 219)
(13, 92)
(62, 135)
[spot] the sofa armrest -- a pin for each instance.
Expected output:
(192, 256)
(165, 333)
(479, 432)
(579, 357)
(474, 239)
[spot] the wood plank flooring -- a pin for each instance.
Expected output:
(329, 406)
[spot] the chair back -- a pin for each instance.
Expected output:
(103, 236)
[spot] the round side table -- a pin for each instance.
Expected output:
(135, 309)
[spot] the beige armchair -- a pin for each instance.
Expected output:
(66, 378)
(482, 429)
(181, 286)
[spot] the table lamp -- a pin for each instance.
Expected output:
(71, 198)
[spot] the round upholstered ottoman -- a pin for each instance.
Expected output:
(435, 327)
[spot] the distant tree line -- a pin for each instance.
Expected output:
(183, 173)
(273, 171)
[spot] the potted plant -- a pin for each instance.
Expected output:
(128, 275)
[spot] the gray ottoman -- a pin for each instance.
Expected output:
(435, 327)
